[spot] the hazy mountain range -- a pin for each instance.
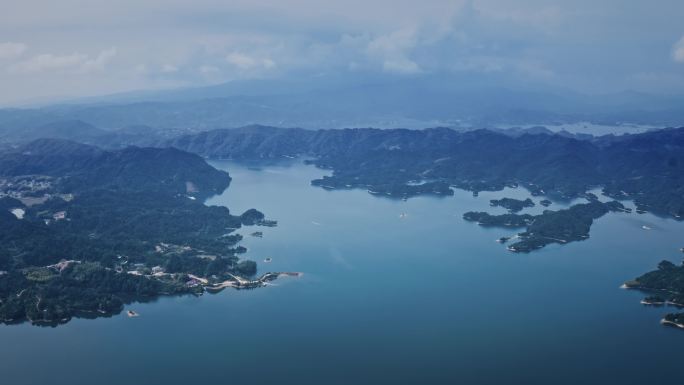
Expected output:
(413, 102)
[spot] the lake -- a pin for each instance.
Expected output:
(424, 299)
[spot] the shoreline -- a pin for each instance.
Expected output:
(671, 323)
(237, 282)
(649, 303)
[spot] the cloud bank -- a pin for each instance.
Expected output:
(76, 47)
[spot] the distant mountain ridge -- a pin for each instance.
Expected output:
(414, 102)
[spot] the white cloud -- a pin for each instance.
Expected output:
(99, 63)
(210, 41)
(678, 51)
(12, 50)
(240, 60)
(75, 62)
(395, 43)
(394, 50)
(246, 62)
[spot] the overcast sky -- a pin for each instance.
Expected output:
(73, 48)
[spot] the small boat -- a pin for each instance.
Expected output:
(403, 215)
(268, 260)
(132, 314)
(645, 227)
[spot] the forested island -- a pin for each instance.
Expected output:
(513, 205)
(668, 282)
(84, 231)
(562, 226)
(388, 189)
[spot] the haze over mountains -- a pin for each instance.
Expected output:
(418, 101)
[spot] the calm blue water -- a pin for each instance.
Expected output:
(426, 299)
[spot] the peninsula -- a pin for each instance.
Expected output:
(84, 231)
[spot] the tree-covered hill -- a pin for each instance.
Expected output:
(84, 230)
(82, 167)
